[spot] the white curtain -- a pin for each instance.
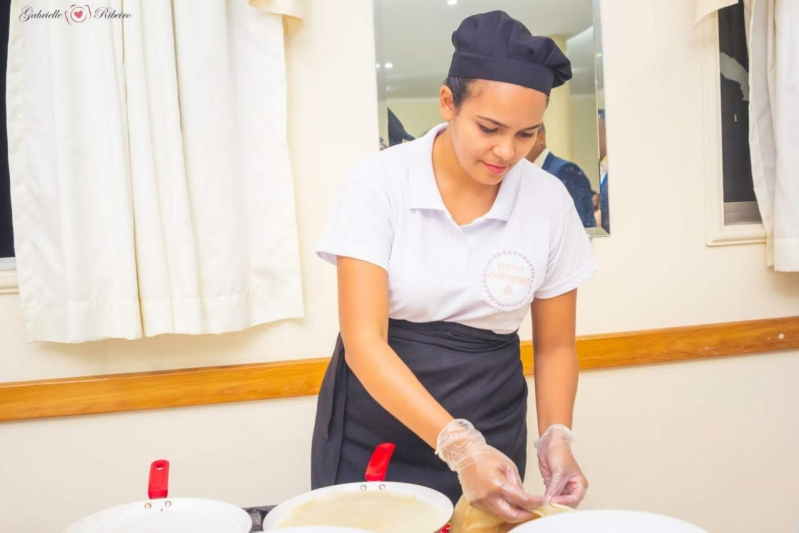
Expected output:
(774, 125)
(150, 175)
(772, 29)
(706, 7)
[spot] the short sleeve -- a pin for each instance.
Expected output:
(360, 225)
(571, 260)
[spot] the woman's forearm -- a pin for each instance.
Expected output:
(555, 387)
(392, 384)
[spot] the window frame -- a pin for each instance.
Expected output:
(8, 276)
(717, 232)
(8, 268)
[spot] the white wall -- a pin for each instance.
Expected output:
(713, 442)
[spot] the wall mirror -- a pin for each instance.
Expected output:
(414, 49)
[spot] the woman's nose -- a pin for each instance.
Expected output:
(504, 151)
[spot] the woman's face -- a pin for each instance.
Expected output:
(495, 127)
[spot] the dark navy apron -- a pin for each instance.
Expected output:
(474, 373)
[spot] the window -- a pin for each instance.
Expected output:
(740, 205)
(6, 233)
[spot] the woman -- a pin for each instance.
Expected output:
(441, 244)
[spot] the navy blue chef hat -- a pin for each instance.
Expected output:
(495, 46)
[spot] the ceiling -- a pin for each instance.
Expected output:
(415, 37)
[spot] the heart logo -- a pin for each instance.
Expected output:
(78, 13)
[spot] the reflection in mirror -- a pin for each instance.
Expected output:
(414, 50)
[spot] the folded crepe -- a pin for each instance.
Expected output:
(468, 519)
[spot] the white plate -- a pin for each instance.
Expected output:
(607, 522)
(178, 515)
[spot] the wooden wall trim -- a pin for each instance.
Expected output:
(24, 400)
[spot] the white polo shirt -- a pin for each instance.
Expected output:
(531, 243)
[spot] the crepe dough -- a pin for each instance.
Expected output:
(468, 519)
(378, 512)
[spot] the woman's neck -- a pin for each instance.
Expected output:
(464, 197)
(453, 181)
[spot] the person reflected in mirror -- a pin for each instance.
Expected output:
(569, 174)
(396, 131)
(603, 174)
(595, 204)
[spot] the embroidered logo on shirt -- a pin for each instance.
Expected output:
(508, 279)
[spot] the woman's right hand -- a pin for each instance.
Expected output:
(490, 480)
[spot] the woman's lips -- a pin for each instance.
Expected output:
(494, 169)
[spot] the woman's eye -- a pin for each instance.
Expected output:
(526, 135)
(488, 130)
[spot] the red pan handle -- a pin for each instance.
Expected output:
(378, 464)
(158, 486)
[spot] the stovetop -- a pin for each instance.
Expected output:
(257, 514)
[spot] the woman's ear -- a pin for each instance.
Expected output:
(446, 104)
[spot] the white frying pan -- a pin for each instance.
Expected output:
(322, 529)
(375, 481)
(173, 515)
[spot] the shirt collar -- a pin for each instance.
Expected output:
(539, 161)
(424, 193)
(423, 188)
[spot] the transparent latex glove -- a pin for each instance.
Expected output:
(565, 482)
(490, 480)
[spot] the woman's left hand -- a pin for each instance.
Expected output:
(565, 482)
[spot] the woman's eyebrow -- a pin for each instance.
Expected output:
(501, 125)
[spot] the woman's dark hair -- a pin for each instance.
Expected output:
(460, 89)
